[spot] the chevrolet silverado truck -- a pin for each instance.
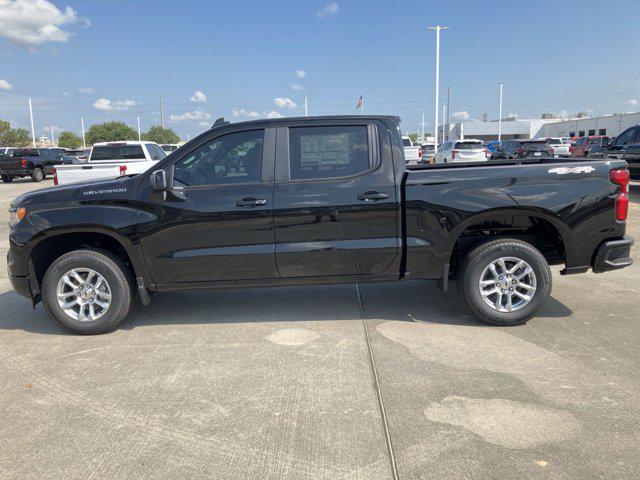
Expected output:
(36, 163)
(316, 200)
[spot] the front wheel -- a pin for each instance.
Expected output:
(504, 282)
(7, 178)
(87, 291)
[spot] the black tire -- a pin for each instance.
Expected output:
(471, 268)
(114, 272)
(37, 175)
(7, 178)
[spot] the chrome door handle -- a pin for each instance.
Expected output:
(251, 202)
(372, 196)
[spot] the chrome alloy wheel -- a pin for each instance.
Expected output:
(507, 284)
(83, 294)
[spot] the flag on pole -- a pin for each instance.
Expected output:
(359, 102)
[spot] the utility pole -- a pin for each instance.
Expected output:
(139, 137)
(437, 29)
(500, 114)
(422, 127)
(444, 116)
(448, 113)
(53, 139)
(161, 113)
(84, 142)
(33, 132)
(306, 107)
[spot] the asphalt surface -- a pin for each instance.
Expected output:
(278, 383)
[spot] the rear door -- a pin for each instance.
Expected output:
(217, 223)
(336, 205)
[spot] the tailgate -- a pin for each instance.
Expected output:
(10, 163)
(80, 173)
(474, 155)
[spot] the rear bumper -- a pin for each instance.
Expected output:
(612, 255)
(15, 172)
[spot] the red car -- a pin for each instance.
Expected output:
(583, 145)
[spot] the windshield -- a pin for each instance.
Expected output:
(112, 152)
(468, 146)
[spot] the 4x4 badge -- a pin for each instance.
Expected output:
(566, 170)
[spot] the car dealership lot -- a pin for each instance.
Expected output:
(278, 383)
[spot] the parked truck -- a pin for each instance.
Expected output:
(316, 200)
(110, 160)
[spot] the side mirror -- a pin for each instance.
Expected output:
(159, 180)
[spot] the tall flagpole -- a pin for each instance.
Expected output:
(33, 132)
(437, 28)
(84, 142)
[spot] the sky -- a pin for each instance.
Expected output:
(110, 60)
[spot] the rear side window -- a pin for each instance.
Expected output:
(326, 152)
(468, 146)
(624, 138)
(117, 152)
(25, 153)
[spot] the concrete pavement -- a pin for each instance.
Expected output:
(277, 383)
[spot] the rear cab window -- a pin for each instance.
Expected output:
(27, 152)
(328, 151)
(406, 142)
(117, 152)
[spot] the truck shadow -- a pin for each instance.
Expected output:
(401, 301)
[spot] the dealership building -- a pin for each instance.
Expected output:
(512, 127)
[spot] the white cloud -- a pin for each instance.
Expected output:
(35, 22)
(198, 97)
(284, 103)
(301, 73)
(632, 101)
(296, 86)
(463, 115)
(4, 85)
(204, 124)
(190, 116)
(329, 9)
(243, 112)
(107, 105)
(85, 90)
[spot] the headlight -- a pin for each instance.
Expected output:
(16, 215)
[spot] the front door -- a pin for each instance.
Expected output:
(217, 223)
(336, 206)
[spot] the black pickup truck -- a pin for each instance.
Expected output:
(36, 163)
(316, 200)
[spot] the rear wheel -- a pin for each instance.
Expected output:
(87, 292)
(7, 178)
(504, 282)
(37, 175)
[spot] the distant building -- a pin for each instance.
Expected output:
(611, 125)
(512, 127)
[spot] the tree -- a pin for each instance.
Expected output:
(413, 137)
(161, 135)
(13, 137)
(110, 132)
(68, 139)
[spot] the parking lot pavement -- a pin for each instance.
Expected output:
(277, 383)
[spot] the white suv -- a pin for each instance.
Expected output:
(471, 150)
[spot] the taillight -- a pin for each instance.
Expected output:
(123, 169)
(23, 162)
(55, 176)
(621, 177)
(453, 154)
(571, 148)
(419, 152)
(550, 151)
(519, 151)
(486, 153)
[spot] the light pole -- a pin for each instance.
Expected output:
(84, 142)
(437, 28)
(33, 132)
(306, 107)
(500, 114)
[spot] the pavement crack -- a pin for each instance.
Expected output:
(376, 384)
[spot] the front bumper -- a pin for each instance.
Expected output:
(613, 254)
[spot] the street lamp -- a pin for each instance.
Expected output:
(500, 114)
(437, 28)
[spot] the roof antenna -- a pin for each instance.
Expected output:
(219, 122)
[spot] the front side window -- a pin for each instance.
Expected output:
(626, 137)
(232, 158)
(326, 152)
